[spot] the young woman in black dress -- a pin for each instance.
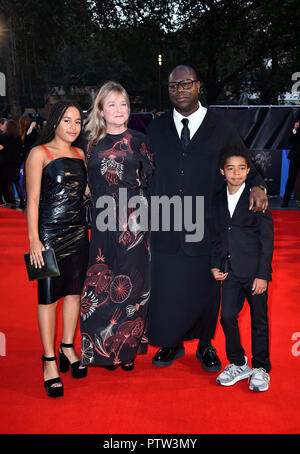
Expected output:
(117, 288)
(56, 183)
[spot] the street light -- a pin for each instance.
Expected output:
(2, 75)
(2, 84)
(3, 30)
(159, 81)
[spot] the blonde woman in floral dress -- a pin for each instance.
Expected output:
(116, 289)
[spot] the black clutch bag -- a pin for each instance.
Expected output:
(50, 268)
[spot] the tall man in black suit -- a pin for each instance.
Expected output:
(184, 295)
(294, 157)
(3, 124)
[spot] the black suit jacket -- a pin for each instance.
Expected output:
(294, 154)
(191, 173)
(246, 238)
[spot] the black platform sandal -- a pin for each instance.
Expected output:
(53, 391)
(64, 363)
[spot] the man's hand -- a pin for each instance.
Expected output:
(218, 275)
(259, 286)
(258, 199)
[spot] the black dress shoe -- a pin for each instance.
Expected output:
(128, 366)
(208, 357)
(22, 205)
(167, 355)
(284, 204)
(111, 367)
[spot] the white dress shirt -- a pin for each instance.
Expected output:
(233, 199)
(195, 120)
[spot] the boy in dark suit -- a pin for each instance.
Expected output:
(241, 258)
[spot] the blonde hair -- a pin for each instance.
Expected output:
(96, 124)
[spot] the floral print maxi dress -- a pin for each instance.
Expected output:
(117, 286)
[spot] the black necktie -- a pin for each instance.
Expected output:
(185, 133)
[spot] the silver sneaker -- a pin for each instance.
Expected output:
(232, 374)
(260, 380)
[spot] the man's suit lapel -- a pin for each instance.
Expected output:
(171, 131)
(224, 204)
(203, 132)
(244, 199)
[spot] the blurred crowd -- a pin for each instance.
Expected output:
(16, 140)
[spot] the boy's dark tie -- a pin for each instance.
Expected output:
(185, 133)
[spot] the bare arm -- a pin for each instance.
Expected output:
(34, 168)
(87, 191)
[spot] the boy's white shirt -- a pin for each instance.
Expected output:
(233, 199)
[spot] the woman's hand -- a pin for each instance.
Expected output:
(36, 257)
(31, 127)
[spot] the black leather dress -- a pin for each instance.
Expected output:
(62, 226)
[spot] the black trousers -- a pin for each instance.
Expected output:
(291, 181)
(185, 299)
(234, 292)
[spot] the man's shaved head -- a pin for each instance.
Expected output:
(187, 68)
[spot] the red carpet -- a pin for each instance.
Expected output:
(181, 399)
